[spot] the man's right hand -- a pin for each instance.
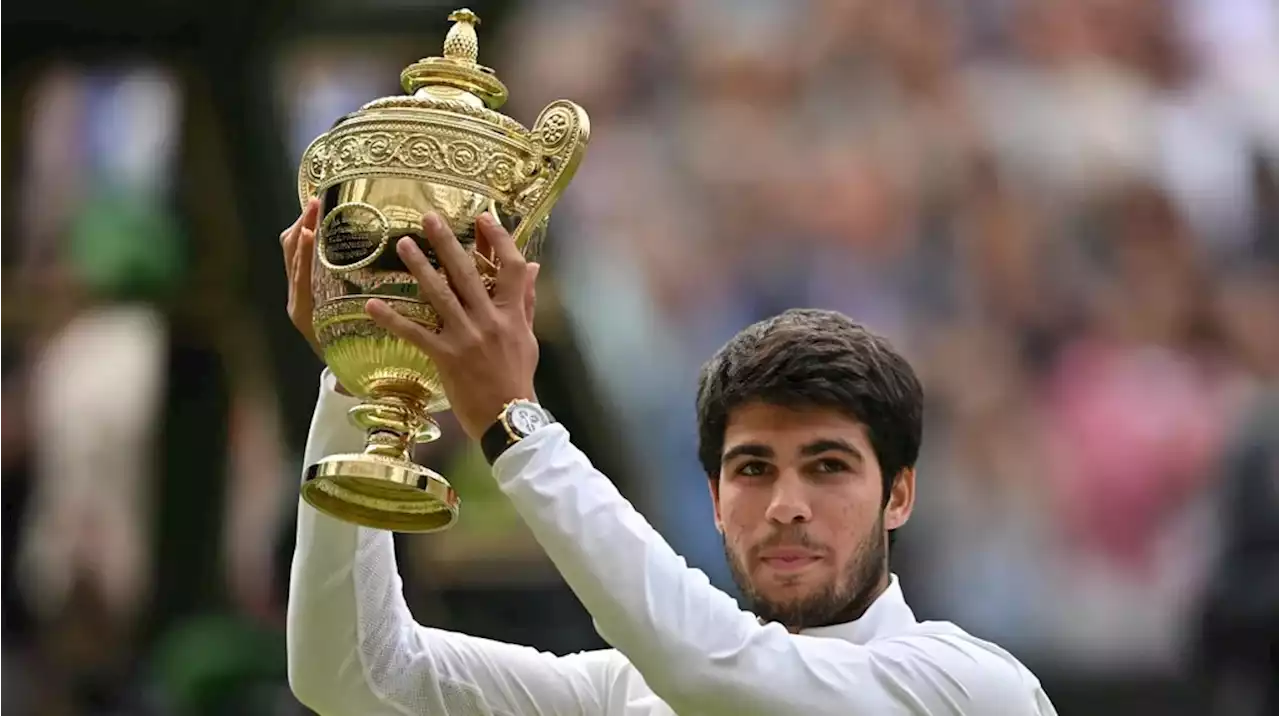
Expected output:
(299, 245)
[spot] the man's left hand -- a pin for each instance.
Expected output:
(485, 351)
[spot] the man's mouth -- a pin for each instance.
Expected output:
(789, 559)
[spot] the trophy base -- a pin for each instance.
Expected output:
(381, 492)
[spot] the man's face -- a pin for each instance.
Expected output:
(799, 502)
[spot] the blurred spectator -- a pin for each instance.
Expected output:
(136, 494)
(1236, 647)
(106, 246)
(1236, 638)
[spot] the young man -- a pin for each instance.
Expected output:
(810, 427)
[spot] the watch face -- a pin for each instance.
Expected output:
(525, 418)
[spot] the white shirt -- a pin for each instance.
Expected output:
(680, 645)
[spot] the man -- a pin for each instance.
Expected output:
(810, 427)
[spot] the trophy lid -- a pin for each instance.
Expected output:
(457, 72)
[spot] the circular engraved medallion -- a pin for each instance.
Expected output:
(352, 236)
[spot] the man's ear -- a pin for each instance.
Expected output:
(902, 499)
(713, 484)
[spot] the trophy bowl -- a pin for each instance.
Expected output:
(440, 148)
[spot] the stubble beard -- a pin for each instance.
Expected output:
(843, 599)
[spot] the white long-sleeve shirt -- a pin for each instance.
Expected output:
(680, 645)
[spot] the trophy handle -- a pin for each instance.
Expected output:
(560, 136)
(311, 169)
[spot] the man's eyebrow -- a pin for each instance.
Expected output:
(747, 450)
(817, 447)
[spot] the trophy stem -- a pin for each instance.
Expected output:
(395, 417)
(382, 487)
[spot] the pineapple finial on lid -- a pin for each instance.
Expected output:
(457, 69)
(461, 45)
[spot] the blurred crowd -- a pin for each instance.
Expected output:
(1063, 211)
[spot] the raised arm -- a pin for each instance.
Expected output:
(692, 644)
(354, 647)
(698, 651)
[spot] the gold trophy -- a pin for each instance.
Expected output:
(442, 148)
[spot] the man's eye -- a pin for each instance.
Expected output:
(754, 468)
(830, 466)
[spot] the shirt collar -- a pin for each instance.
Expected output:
(888, 615)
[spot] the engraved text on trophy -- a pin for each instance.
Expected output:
(353, 236)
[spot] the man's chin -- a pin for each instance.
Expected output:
(792, 611)
(788, 582)
(788, 594)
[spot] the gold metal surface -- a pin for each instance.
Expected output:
(385, 493)
(441, 148)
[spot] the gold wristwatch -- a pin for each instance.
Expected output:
(518, 420)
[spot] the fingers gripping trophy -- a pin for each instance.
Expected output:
(441, 148)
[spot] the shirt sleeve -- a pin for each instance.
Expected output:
(354, 647)
(693, 645)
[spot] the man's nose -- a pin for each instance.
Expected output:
(789, 504)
